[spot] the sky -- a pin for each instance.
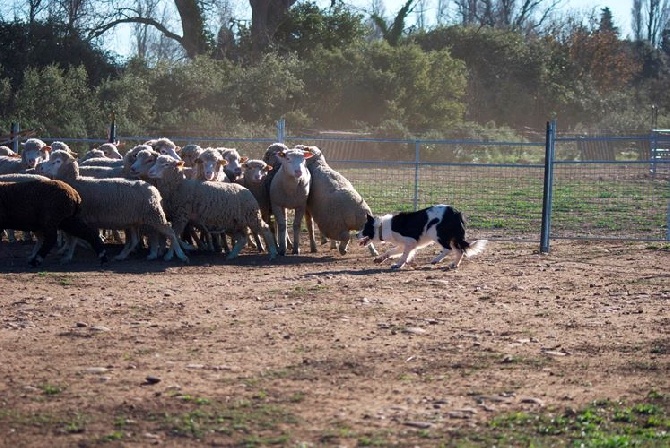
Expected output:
(621, 13)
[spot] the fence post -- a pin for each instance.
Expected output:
(112, 129)
(417, 161)
(14, 133)
(550, 147)
(281, 130)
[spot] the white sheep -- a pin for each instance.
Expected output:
(94, 153)
(216, 206)
(255, 179)
(289, 191)
(6, 151)
(189, 153)
(333, 203)
(164, 146)
(111, 150)
(116, 204)
(33, 151)
(210, 165)
(234, 161)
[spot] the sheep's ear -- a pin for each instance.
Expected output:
(308, 154)
(268, 168)
(244, 159)
(281, 154)
(177, 149)
(180, 163)
(46, 148)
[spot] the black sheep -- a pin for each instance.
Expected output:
(44, 207)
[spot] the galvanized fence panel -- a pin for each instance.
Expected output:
(604, 187)
(622, 193)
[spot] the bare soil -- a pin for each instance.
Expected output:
(320, 349)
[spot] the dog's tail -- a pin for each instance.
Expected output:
(475, 248)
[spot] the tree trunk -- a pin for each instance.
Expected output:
(193, 27)
(266, 15)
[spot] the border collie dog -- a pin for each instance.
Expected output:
(414, 230)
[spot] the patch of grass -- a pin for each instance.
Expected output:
(51, 389)
(602, 424)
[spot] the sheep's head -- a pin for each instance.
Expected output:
(164, 146)
(234, 162)
(293, 161)
(111, 151)
(164, 167)
(189, 154)
(144, 160)
(255, 170)
(210, 164)
(271, 156)
(60, 163)
(34, 152)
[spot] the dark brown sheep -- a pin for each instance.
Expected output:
(44, 207)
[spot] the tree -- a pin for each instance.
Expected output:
(649, 19)
(307, 27)
(266, 15)
(393, 31)
(526, 16)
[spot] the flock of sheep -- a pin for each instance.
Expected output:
(174, 199)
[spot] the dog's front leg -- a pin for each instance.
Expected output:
(391, 253)
(406, 254)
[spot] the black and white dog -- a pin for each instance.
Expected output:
(414, 230)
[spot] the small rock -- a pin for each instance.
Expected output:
(152, 380)
(420, 425)
(81, 325)
(414, 330)
(532, 400)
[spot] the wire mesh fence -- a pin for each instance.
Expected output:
(603, 187)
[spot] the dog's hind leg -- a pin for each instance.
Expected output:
(459, 257)
(441, 255)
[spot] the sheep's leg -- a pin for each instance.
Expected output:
(297, 227)
(269, 242)
(240, 241)
(344, 245)
(280, 217)
(373, 251)
(49, 236)
(154, 245)
(132, 240)
(257, 241)
(39, 241)
(77, 228)
(310, 231)
(170, 234)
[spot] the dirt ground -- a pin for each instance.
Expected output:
(323, 350)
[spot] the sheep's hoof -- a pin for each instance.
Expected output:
(378, 259)
(395, 267)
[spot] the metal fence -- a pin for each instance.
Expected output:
(601, 187)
